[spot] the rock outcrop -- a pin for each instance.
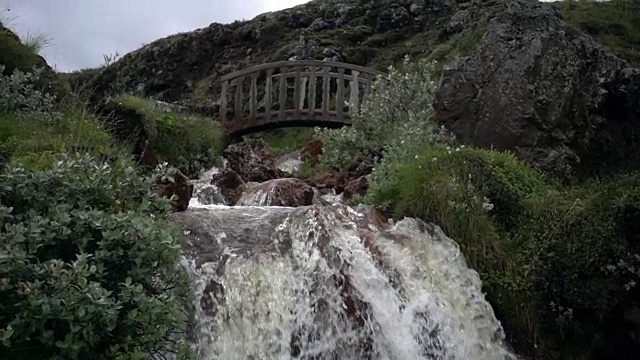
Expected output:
(553, 96)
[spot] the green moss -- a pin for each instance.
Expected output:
(14, 54)
(615, 24)
(283, 141)
(36, 144)
(188, 142)
(559, 265)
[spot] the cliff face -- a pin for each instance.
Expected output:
(523, 81)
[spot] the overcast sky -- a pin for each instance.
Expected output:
(81, 31)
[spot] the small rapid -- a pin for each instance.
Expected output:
(328, 281)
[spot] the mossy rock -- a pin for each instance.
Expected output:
(164, 132)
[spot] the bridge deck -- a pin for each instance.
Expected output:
(293, 91)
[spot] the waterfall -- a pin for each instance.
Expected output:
(331, 282)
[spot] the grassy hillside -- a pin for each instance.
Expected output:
(614, 23)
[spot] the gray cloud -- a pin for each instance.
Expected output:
(81, 31)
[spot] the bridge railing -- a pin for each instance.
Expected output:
(293, 91)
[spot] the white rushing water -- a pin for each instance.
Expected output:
(327, 282)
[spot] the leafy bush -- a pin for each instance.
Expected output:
(397, 116)
(19, 96)
(582, 249)
(188, 142)
(88, 264)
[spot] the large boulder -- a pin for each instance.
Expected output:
(554, 96)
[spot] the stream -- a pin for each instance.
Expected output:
(328, 281)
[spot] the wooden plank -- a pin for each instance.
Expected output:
(238, 98)
(296, 92)
(368, 85)
(325, 92)
(340, 94)
(268, 93)
(312, 92)
(304, 74)
(282, 94)
(354, 92)
(223, 101)
(303, 92)
(302, 63)
(253, 101)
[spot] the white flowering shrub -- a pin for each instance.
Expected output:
(397, 115)
(19, 96)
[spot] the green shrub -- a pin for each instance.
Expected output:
(88, 264)
(582, 247)
(19, 96)
(397, 116)
(188, 142)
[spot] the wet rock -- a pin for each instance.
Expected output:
(355, 187)
(289, 163)
(328, 180)
(230, 184)
(253, 161)
(210, 194)
(212, 296)
(289, 192)
(311, 151)
(181, 188)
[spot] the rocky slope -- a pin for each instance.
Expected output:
(523, 80)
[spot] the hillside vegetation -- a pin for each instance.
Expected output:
(615, 23)
(87, 258)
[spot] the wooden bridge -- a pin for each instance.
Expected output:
(293, 93)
